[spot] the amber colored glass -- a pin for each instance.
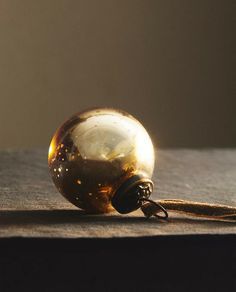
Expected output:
(94, 152)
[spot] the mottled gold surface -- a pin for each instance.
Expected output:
(94, 152)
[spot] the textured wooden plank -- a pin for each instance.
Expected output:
(30, 206)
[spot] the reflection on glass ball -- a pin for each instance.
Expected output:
(94, 152)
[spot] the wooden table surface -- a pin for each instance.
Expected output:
(47, 244)
(30, 205)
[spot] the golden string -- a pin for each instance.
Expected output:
(197, 209)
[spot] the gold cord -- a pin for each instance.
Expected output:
(197, 209)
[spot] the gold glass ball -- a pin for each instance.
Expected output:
(94, 152)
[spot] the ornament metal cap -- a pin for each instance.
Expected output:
(130, 195)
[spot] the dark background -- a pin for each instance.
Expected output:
(169, 63)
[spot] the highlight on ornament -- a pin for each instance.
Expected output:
(103, 159)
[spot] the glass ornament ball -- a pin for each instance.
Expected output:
(97, 155)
